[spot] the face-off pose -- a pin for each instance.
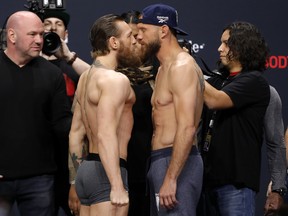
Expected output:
(103, 113)
(175, 174)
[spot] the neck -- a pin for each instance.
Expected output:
(105, 62)
(235, 67)
(169, 49)
(98, 64)
(14, 58)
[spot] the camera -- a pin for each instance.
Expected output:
(186, 44)
(51, 43)
(37, 6)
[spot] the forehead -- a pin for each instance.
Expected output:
(226, 35)
(53, 20)
(124, 27)
(143, 26)
(31, 25)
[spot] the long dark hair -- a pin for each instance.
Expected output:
(247, 46)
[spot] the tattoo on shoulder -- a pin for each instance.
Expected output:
(201, 79)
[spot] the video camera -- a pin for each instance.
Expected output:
(52, 41)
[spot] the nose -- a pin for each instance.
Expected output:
(134, 41)
(220, 49)
(139, 36)
(51, 28)
(39, 38)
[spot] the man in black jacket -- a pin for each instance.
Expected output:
(35, 113)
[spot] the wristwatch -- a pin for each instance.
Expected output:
(280, 191)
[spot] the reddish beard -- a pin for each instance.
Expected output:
(127, 58)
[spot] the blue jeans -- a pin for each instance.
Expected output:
(34, 196)
(228, 201)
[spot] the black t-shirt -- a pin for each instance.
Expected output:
(139, 146)
(234, 156)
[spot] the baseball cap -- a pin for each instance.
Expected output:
(60, 14)
(161, 14)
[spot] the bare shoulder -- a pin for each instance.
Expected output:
(113, 78)
(184, 62)
(185, 70)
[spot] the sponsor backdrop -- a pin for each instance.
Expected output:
(204, 21)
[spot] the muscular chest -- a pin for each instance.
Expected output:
(162, 94)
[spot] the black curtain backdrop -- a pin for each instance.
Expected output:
(204, 20)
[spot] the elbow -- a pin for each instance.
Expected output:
(210, 102)
(191, 130)
(210, 105)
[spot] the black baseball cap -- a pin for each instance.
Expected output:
(161, 14)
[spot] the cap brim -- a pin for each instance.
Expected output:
(180, 31)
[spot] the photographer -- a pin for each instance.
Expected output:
(56, 21)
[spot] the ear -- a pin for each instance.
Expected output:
(66, 36)
(164, 30)
(11, 34)
(113, 43)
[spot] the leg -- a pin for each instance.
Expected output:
(155, 177)
(85, 210)
(5, 207)
(122, 211)
(207, 204)
(36, 196)
(106, 208)
(235, 201)
(189, 186)
(7, 196)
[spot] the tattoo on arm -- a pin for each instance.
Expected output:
(76, 161)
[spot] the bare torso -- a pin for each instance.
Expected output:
(164, 111)
(91, 98)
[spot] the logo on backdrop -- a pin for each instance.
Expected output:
(196, 47)
(277, 62)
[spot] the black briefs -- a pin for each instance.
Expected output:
(96, 157)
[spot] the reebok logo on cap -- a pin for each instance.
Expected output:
(160, 14)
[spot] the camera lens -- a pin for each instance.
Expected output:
(52, 43)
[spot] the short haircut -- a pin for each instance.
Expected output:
(103, 28)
